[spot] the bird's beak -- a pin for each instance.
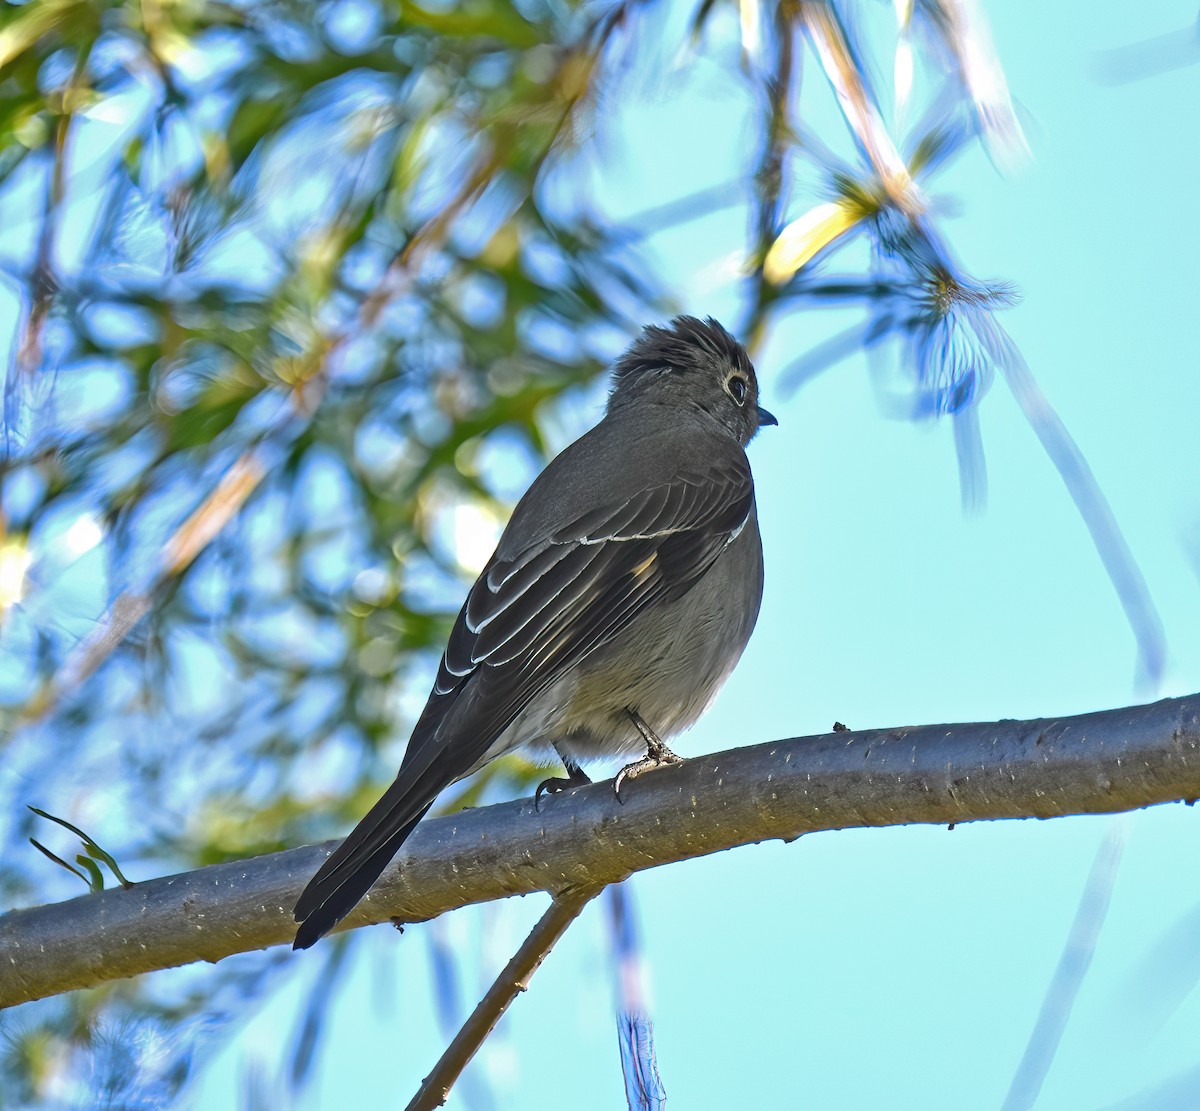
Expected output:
(765, 417)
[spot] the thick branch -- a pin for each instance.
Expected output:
(1095, 763)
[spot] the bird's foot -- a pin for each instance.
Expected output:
(657, 754)
(575, 777)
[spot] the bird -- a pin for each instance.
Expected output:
(619, 598)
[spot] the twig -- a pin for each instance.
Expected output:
(769, 173)
(644, 1089)
(858, 106)
(964, 27)
(1068, 976)
(565, 908)
(43, 282)
(1092, 505)
(187, 542)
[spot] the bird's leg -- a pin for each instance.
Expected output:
(575, 777)
(657, 754)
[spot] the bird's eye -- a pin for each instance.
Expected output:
(737, 389)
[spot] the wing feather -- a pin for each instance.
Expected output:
(530, 617)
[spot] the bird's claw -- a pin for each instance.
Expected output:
(657, 754)
(575, 777)
(656, 757)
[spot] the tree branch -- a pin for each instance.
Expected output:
(565, 908)
(1094, 763)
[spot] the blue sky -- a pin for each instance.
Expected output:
(893, 968)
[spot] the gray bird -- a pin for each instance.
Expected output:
(617, 602)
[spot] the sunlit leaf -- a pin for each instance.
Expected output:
(806, 236)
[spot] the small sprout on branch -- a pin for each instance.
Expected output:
(90, 862)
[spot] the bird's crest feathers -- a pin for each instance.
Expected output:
(687, 343)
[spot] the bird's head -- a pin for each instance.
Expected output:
(692, 362)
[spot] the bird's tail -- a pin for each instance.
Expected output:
(359, 861)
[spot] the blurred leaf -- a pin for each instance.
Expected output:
(484, 19)
(805, 236)
(251, 122)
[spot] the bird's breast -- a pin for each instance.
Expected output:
(668, 664)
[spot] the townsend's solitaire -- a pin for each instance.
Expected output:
(617, 602)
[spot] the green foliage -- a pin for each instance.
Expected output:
(295, 306)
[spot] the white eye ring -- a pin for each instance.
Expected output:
(736, 387)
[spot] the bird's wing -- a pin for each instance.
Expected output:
(531, 617)
(533, 614)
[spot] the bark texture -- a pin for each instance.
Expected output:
(1092, 763)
